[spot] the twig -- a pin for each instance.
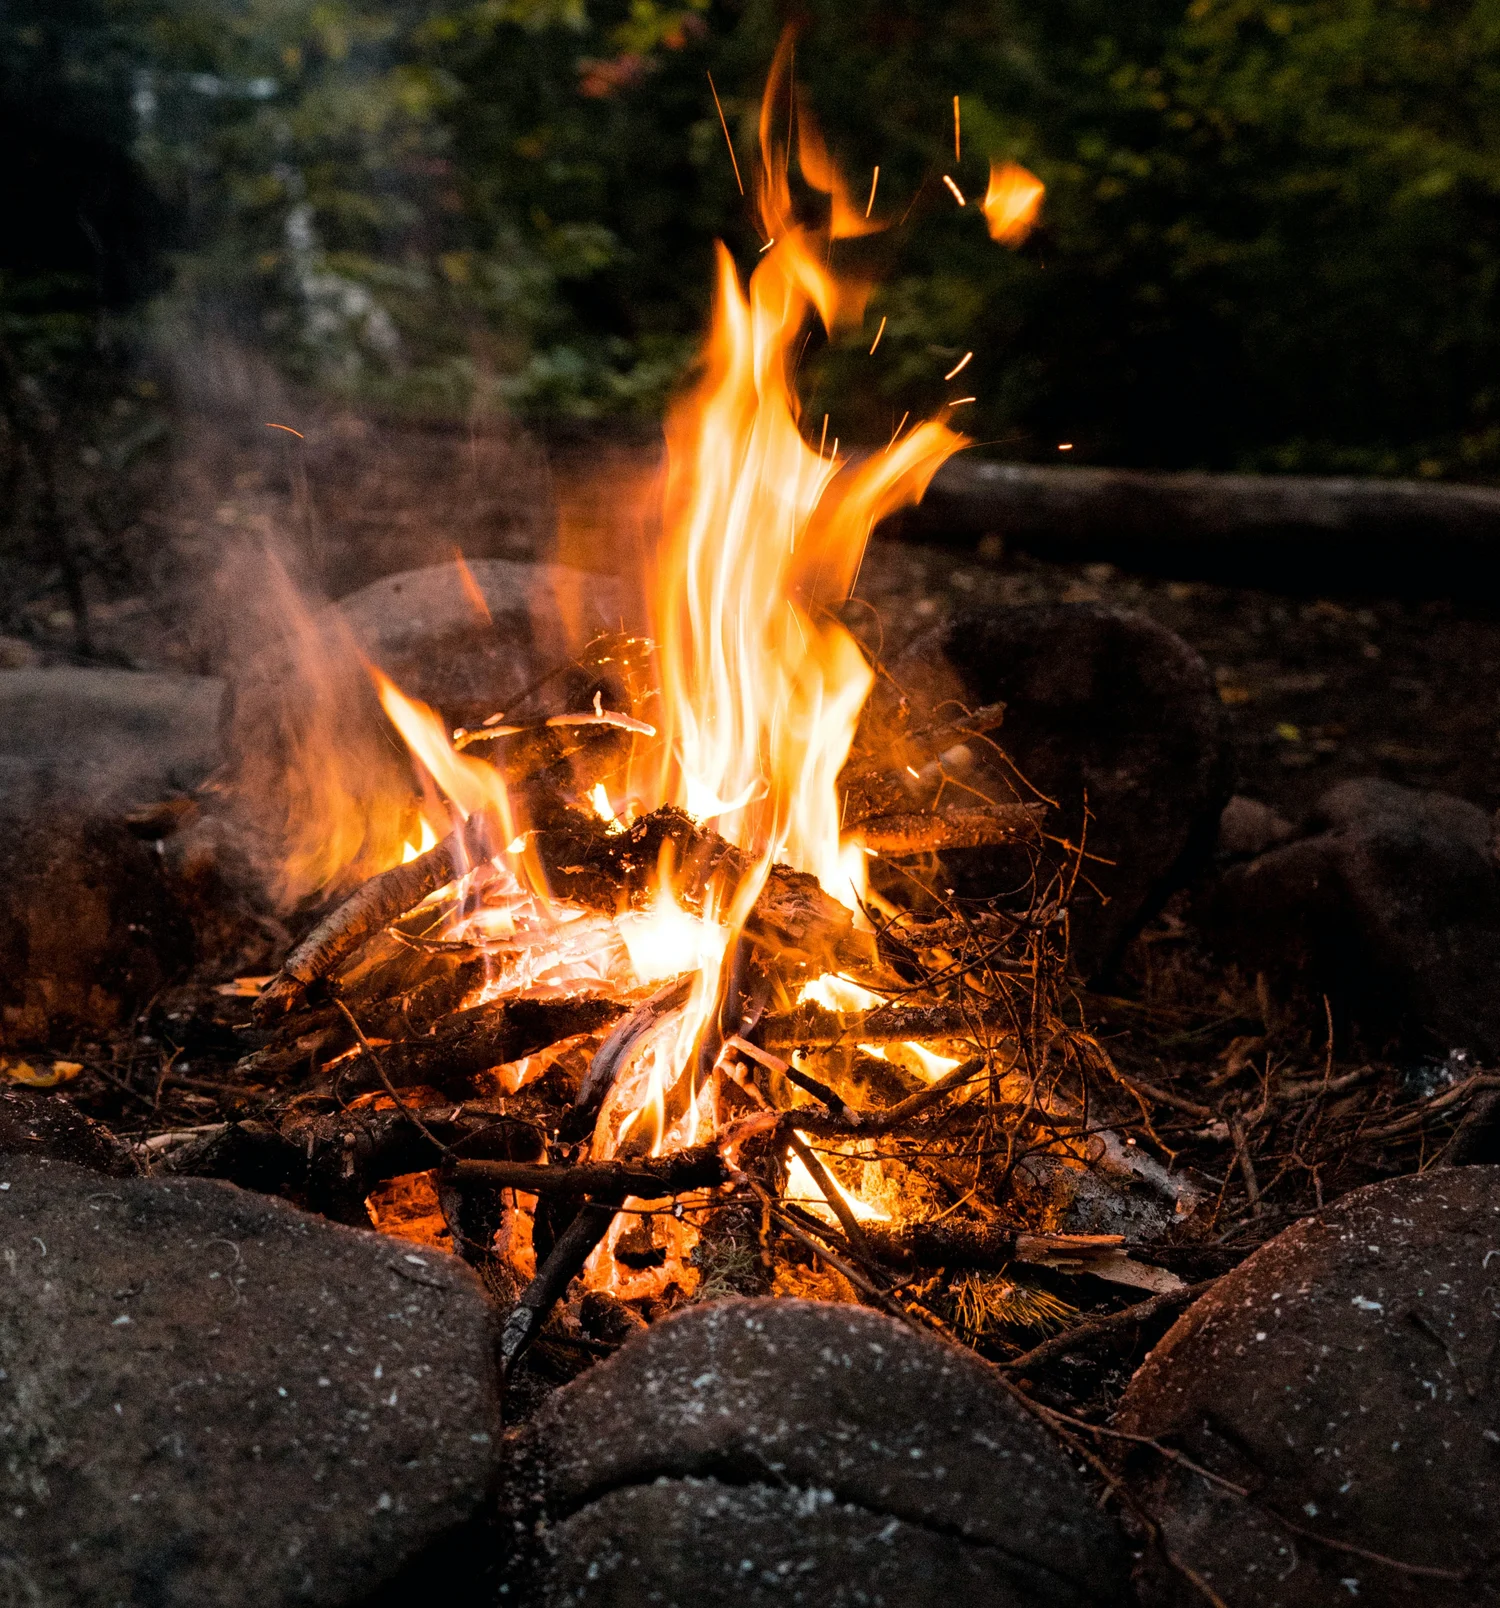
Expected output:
(830, 1191)
(1101, 1328)
(881, 1122)
(390, 1089)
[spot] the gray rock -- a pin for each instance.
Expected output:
(46, 1126)
(681, 1543)
(1344, 1374)
(106, 740)
(425, 631)
(1391, 904)
(878, 1457)
(1247, 827)
(210, 1397)
(1101, 705)
(90, 928)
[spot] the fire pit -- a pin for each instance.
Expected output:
(663, 997)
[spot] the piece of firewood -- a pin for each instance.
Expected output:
(917, 832)
(650, 1178)
(810, 1026)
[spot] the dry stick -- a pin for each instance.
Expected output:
(1414, 1119)
(872, 1123)
(835, 1198)
(1096, 1328)
(390, 1088)
(1163, 1097)
(1247, 1166)
(914, 832)
(370, 909)
(677, 1173)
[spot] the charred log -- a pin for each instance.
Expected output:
(650, 1178)
(811, 1026)
(925, 832)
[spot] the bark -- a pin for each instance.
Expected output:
(1278, 530)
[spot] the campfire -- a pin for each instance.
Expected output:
(666, 996)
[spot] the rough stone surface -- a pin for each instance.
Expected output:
(90, 928)
(1247, 827)
(1391, 903)
(424, 629)
(838, 1449)
(1100, 704)
(106, 740)
(1345, 1374)
(210, 1397)
(46, 1126)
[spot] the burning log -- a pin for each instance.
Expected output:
(812, 1026)
(587, 865)
(677, 1173)
(370, 910)
(470, 1042)
(915, 832)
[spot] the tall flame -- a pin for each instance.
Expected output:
(762, 538)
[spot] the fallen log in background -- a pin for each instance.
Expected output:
(1286, 532)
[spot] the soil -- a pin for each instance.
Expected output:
(1317, 690)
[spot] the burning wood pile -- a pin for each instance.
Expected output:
(670, 1000)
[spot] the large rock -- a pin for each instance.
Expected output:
(792, 1451)
(322, 792)
(1102, 706)
(426, 629)
(106, 740)
(45, 1126)
(209, 1397)
(1391, 903)
(90, 927)
(1345, 1375)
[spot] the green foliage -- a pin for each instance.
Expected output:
(1269, 240)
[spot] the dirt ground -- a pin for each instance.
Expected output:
(1316, 690)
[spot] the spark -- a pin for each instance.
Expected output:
(958, 154)
(874, 180)
(823, 442)
(959, 366)
(1064, 446)
(765, 248)
(289, 430)
(958, 194)
(723, 123)
(959, 401)
(878, 333)
(897, 431)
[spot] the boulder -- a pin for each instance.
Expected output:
(90, 927)
(469, 654)
(1102, 705)
(1345, 1376)
(797, 1451)
(46, 1126)
(320, 790)
(106, 741)
(1247, 828)
(1390, 902)
(210, 1397)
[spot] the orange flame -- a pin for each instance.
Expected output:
(762, 538)
(1012, 202)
